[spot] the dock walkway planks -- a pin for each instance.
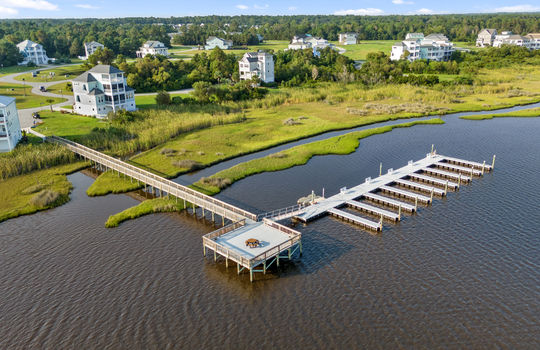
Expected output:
(420, 187)
(389, 201)
(468, 163)
(460, 169)
(377, 226)
(374, 210)
(433, 180)
(406, 194)
(447, 174)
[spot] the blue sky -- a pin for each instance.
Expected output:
(167, 8)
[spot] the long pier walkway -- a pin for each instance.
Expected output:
(275, 241)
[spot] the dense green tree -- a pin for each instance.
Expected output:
(9, 54)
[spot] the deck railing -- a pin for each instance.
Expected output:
(165, 185)
(282, 211)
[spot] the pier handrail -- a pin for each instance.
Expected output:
(289, 231)
(139, 173)
(225, 229)
(282, 211)
(275, 250)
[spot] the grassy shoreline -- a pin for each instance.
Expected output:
(150, 206)
(299, 155)
(36, 191)
(110, 182)
(528, 113)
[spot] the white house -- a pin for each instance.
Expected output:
(486, 37)
(307, 41)
(434, 47)
(91, 47)
(259, 64)
(214, 41)
(347, 38)
(32, 52)
(153, 48)
(101, 90)
(534, 41)
(10, 129)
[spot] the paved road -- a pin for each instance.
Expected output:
(25, 115)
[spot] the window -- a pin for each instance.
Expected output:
(105, 76)
(84, 87)
(78, 98)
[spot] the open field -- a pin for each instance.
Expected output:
(36, 191)
(28, 101)
(299, 155)
(72, 126)
(266, 45)
(149, 101)
(530, 113)
(60, 89)
(61, 73)
(361, 50)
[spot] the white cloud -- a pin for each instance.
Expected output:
(424, 11)
(402, 2)
(518, 8)
(87, 6)
(242, 7)
(7, 11)
(360, 12)
(292, 8)
(29, 4)
(261, 7)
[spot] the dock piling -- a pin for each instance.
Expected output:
(380, 169)
(399, 213)
(415, 204)
(432, 191)
(483, 166)
(493, 163)
(446, 186)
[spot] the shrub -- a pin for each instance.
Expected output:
(44, 198)
(218, 182)
(32, 189)
(188, 164)
(163, 98)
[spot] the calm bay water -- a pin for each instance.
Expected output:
(463, 273)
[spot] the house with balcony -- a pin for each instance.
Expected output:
(434, 47)
(101, 90)
(534, 41)
(347, 38)
(260, 64)
(153, 48)
(32, 52)
(213, 42)
(485, 37)
(90, 48)
(307, 41)
(10, 128)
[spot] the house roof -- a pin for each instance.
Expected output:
(86, 77)
(27, 43)
(6, 100)
(105, 69)
(534, 35)
(489, 30)
(153, 43)
(95, 92)
(437, 37)
(92, 43)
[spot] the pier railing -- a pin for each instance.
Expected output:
(283, 212)
(165, 185)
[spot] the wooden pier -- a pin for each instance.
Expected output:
(276, 241)
(449, 174)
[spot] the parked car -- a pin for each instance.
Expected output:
(42, 88)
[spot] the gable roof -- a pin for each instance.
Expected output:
(489, 31)
(153, 43)
(95, 92)
(105, 69)
(92, 43)
(6, 100)
(86, 77)
(27, 43)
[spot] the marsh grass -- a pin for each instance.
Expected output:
(150, 206)
(529, 113)
(110, 182)
(299, 155)
(45, 198)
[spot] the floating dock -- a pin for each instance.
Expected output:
(448, 174)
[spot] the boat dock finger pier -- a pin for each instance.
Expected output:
(399, 191)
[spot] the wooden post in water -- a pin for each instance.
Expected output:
(300, 244)
(446, 187)
(204, 250)
(432, 190)
(459, 180)
(493, 163)
(380, 222)
(416, 203)
(472, 169)
(213, 217)
(264, 267)
(432, 147)
(380, 169)
(399, 213)
(483, 166)
(251, 275)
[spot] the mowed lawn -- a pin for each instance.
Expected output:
(24, 97)
(71, 126)
(275, 45)
(60, 73)
(14, 69)
(364, 47)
